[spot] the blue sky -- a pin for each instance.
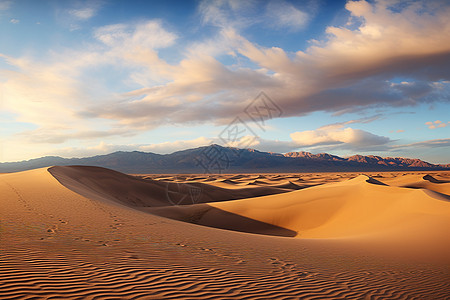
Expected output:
(82, 78)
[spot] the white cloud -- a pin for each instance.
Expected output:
(85, 11)
(227, 13)
(78, 13)
(47, 98)
(243, 14)
(148, 34)
(276, 146)
(281, 14)
(14, 21)
(35, 90)
(330, 76)
(436, 124)
(337, 135)
(56, 89)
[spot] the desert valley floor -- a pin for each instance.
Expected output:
(93, 233)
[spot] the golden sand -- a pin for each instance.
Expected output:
(92, 233)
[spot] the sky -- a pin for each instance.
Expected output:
(83, 78)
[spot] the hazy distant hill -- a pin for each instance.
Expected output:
(218, 159)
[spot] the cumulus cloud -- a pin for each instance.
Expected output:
(329, 137)
(336, 135)
(340, 136)
(436, 124)
(349, 71)
(14, 21)
(197, 89)
(357, 62)
(276, 146)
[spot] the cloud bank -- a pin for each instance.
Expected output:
(350, 70)
(387, 54)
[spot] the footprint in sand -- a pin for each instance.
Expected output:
(290, 269)
(52, 229)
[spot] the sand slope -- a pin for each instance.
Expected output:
(352, 208)
(60, 244)
(104, 184)
(420, 181)
(360, 209)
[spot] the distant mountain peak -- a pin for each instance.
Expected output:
(241, 161)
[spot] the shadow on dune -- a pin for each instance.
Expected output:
(437, 195)
(374, 181)
(434, 180)
(207, 215)
(438, 188)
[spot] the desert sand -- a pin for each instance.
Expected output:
(93, 233)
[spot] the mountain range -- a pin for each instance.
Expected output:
(218, 159)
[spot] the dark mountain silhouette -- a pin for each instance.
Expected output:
(218, 159)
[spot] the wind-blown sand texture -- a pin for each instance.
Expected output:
(93, 233)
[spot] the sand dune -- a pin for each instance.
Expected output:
(105, 184)
(81, 233)
(361, 207)
(421, 182)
